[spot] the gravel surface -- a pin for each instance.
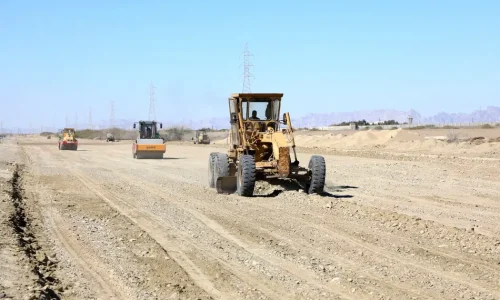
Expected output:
(387, 228)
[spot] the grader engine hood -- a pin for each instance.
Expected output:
(281, 151)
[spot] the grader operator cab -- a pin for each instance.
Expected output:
(148, 144)
(67, 140)
(259, 149)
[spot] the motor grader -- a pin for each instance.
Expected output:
(148, 144)
(67, 140)
(201, 137)
(259, 149)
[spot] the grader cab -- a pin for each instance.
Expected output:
(259, 149)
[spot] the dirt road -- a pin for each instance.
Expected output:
(109, 226)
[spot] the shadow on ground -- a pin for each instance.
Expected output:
(294, 185)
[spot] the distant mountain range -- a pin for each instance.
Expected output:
(488, 115)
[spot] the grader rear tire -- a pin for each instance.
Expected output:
(221, 166)
(317, 165)
(246, 176)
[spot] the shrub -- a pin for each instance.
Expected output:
(452, 136)
(378, 127)
(176, 133)
(487, 126)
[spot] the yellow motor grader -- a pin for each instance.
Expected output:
(259, 149)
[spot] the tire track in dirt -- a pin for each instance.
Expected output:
(199, 199)
(271, 209)
(380, 251)
(216, 227)
(109, 287)
(343, 236)
(304, 274)
(88, 264)
(156, 233)
(231, 267)
(250, 223)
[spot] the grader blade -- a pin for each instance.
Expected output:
(226, 185)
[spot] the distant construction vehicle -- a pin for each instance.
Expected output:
(148, 144)
(260, 150)
(67, 140)
(110, 137)
(201, 137)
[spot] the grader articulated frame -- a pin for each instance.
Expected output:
(260, 150)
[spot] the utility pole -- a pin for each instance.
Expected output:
(76, 120)
(112, 115)
(90, 118)
(66, 120)
(152, 112)
(1, 127)
(246, 70)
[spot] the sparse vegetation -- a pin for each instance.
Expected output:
(357, 123)
(120, 134)
(378, 127)
(487, 126)
(389, 122)
(452, 136)
(422, 127)
(47, 133)
(176, 133)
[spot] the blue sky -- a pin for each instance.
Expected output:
(62, 57)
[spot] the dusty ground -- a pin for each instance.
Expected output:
(397, 223)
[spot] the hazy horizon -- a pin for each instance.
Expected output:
(58, 59)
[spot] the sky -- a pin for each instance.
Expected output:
(64, 58)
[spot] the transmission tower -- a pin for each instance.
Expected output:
(1, 127)
(152, 112)
(90, 118)
(112, 114)
(246, 70)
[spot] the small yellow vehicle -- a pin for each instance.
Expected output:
(67, 140)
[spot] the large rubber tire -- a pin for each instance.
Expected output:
(211, 169)
(317, 165)
(245, 174)
(221, 166)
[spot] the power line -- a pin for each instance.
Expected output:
(152, 112)
(246, 70)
